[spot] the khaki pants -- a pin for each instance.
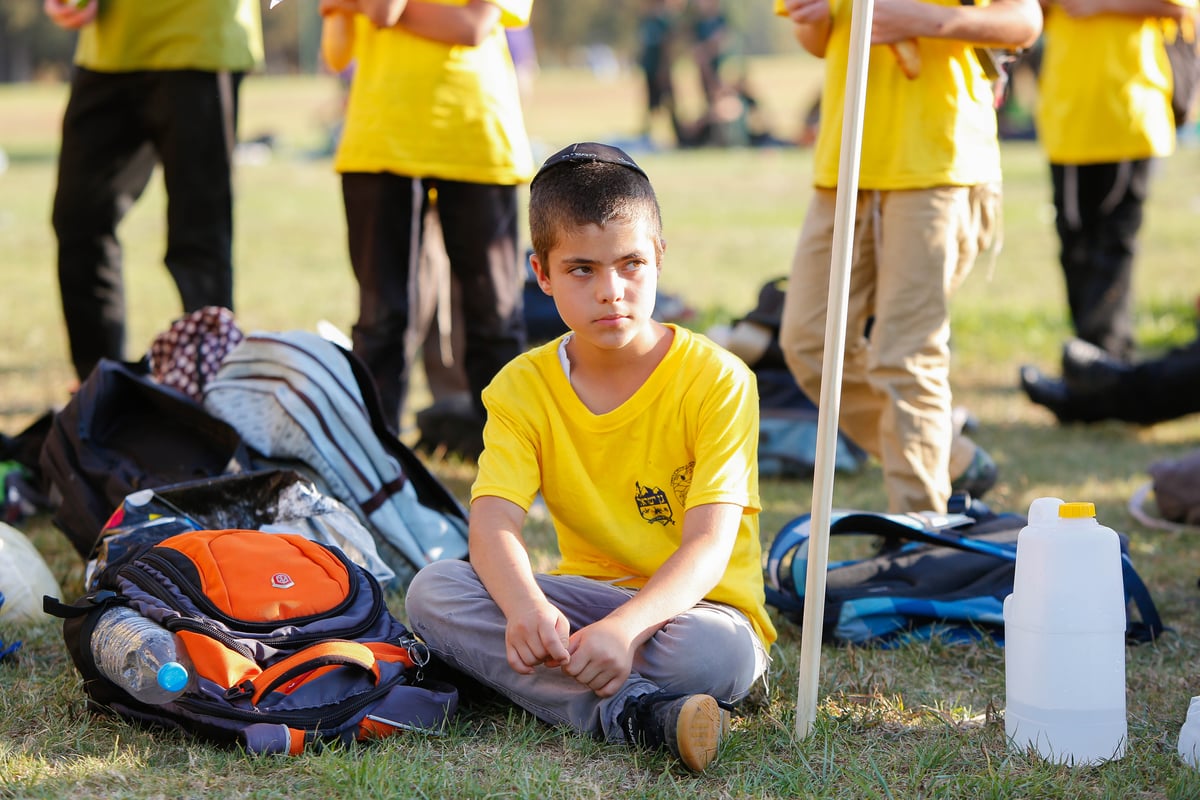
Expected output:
(911, 250)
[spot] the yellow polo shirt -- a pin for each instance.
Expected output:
(617, 484)
(1105, 89)
(938, 129)
(209, 35)
(422, 108)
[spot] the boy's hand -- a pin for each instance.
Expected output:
(537, 636)
(806, 12)
(70, 14)
(327, 7)
(601, 656)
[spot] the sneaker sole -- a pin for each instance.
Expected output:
(699, 730)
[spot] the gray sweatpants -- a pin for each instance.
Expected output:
(712, 649)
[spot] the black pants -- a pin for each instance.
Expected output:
(1154, 390)
(384, 215)
(116, 127)
(1098, 215)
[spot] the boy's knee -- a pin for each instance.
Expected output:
(711, 654)
(729, 667)
(435, 586)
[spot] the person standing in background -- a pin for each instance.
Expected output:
(657, 32)
(927, 202)
(154, 83)
(433, 119)
(711, 33)
(1103, 115)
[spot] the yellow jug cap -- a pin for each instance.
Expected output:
(1076, 510)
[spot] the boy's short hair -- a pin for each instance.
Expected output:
(589, 183)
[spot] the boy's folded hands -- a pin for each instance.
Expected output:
(601, 656)
(537, 636)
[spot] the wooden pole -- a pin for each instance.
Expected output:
(831, 369)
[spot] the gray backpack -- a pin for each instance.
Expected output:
(301, 400)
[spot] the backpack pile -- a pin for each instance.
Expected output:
(122, 432)
(289, 644)
(296, 398)
(272, 500)
(931, 575)
(210, 401)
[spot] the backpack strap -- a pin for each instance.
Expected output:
(936, 529)
(896, 530)
(1151, 625)
(318, 658)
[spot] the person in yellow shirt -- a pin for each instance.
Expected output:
(433, 119)
(1103, 116)
(155, 83)
(641, 437)
(927, 201)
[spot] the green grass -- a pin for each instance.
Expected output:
(919, 722)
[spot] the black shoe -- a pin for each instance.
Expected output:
(690, 726)
(1048, 392)
(1088, 369)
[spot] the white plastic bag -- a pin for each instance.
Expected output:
(24, 578)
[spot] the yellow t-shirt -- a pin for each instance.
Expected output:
(210, 35)
(617, 484)
(1105, 89)
(425, 109)
(938, 129)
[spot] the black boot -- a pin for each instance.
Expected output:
(1088, 369)
(1048, 392)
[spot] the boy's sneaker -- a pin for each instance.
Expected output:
(979, 476)
(690, 726)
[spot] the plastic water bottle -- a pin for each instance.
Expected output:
(1189, 735)
(137, 654)
(1064, 637)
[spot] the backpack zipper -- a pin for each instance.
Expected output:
(134, 572)
(342, 710)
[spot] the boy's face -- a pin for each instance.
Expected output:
(603, 281)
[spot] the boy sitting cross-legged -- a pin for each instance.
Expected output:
(642, 439)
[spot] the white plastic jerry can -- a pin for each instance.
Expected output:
(1064, 632)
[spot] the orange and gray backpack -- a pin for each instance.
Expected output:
(291, 643)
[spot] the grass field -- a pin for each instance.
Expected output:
(916, 722)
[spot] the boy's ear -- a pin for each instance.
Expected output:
(543, 281)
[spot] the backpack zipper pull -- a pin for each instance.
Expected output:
(418, 651)
(243, 689)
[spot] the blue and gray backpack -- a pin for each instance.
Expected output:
(943, 575)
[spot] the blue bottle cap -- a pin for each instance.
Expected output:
(172, 676)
